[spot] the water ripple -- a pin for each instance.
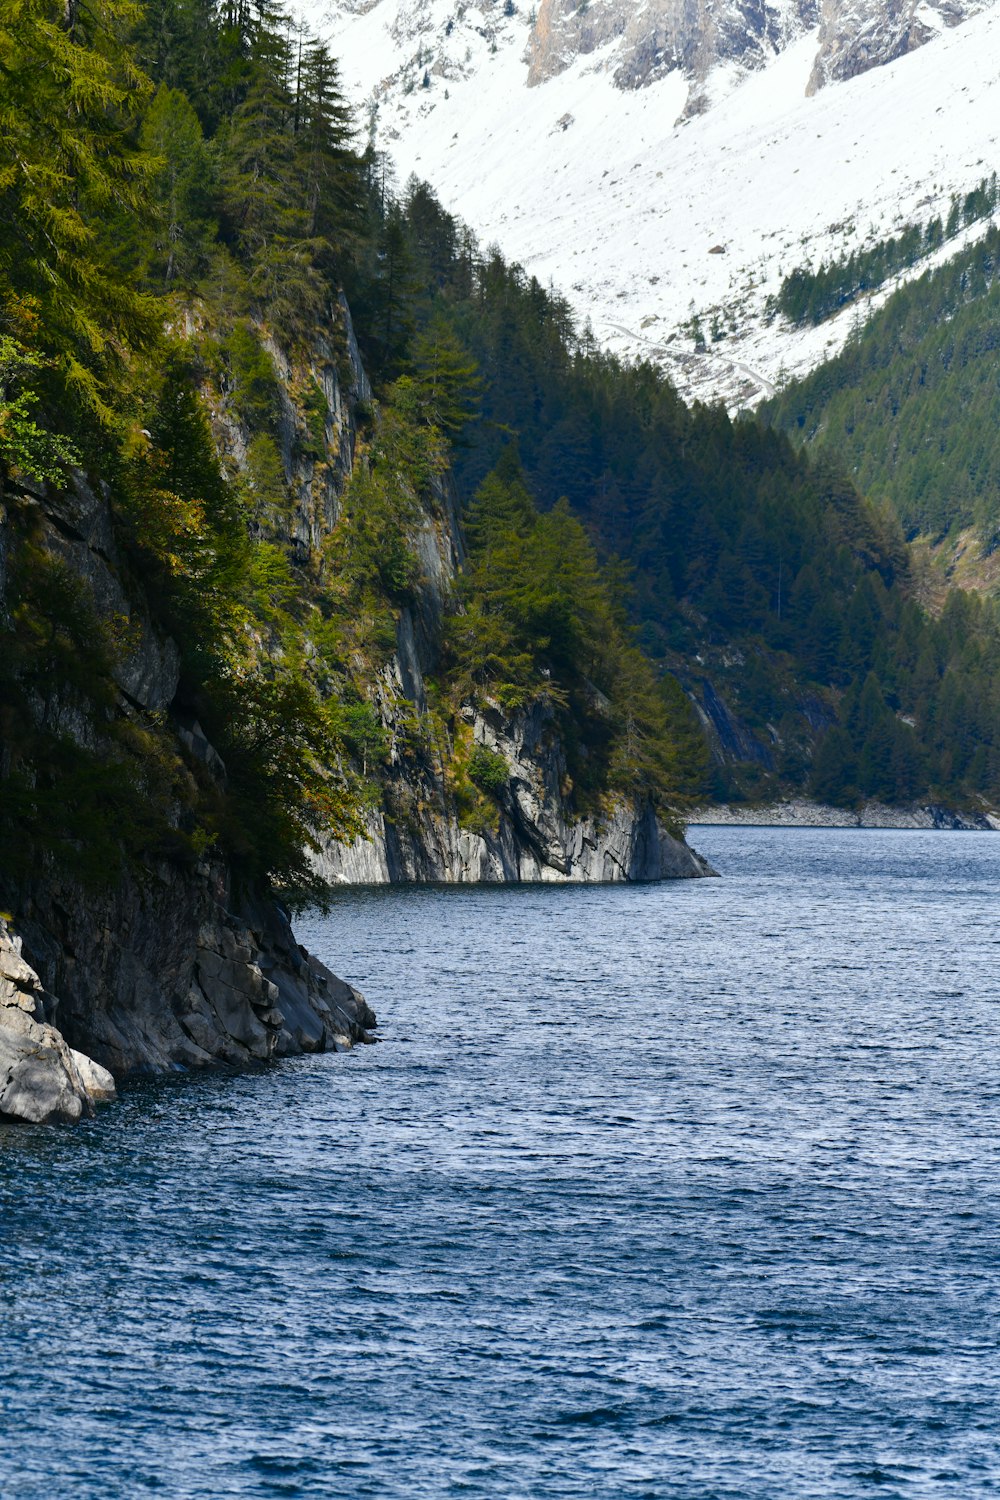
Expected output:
(687, 1192)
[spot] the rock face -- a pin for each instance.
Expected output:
(663, 36)
(638, 44)
(168, 969)
(694, 36)
(856, 35)
(42, 1079)
(621, 846)
(532, 837)
(417, 835)
(161, 975)
(800, 813)
(149, 988)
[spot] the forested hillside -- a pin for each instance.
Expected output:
(910, 407)
(760, 580)
(174, 247)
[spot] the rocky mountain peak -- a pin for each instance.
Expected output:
(663, 36)
(647, 41)
(855, 35)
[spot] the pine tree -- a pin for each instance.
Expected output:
(178, 247)
(446, 379)
(71, 90)
(329, 168)
(260, 174)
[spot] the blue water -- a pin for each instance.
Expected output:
(678, 1191)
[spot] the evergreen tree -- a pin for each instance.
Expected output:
(71, 89)
(177, 248)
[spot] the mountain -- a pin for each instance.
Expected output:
(228, 568)
(667, 167)
(642, 44)
(330, 550)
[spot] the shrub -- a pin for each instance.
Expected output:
(488, 770)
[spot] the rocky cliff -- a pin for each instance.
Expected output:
(166, 965)
(157, 977)
(667, 35)
(170, 962)
(637, 45)
(418, 830)
(530, 836)
(692, 36)
(855, 35)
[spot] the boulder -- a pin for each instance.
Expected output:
(42, 1080)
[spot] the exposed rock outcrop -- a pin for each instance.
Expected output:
(856, 35)
(166, 969)
(638, 45)
(42, 1079)
(694, 36)
(147, 988)
(663, 36)
(533, 838)
(418, 833)
(162, 975)
(801, 813)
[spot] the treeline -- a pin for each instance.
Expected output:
(540, 621)
(203, 194)
(910, 406)
(808, 296)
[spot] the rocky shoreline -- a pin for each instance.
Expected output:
(534, 837)
(84, 1003)
(799, 813)
(42, 1078)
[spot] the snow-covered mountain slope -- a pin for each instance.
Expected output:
(648, 41)
(648, 217)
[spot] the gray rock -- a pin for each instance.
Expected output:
(800, 813)
(536, 839)
(161, 975)
(42, 1080)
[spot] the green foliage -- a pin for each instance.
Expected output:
(370, 559)
(61, 797)
(540, 622)
(445, 379)
(70, 89)
(364, 734)
(315, 411)
(265, 474)
(232, 182)
(175, 245)
(488, 771)
(754, 570)
(25, 447)
(253, 386)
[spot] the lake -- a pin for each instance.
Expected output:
(689, 1190)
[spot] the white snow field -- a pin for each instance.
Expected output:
(643, 220)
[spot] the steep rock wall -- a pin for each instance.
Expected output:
(695, 37)
(855, 35)
(663, 36)
(163, 968)
(532, 837)
(417, 833)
